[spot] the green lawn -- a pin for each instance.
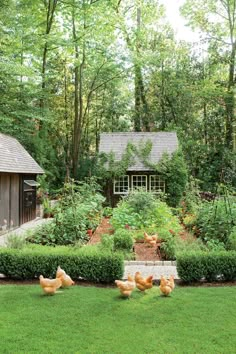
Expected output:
(97, 320)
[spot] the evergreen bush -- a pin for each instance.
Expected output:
(211, 266)
(87, 263)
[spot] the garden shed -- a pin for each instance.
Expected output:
(18, 172)
(138, 173)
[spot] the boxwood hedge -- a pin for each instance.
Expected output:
(85, 263)
(210, 266)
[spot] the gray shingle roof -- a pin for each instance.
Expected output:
(117, 142)
(14, 158)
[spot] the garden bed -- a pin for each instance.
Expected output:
(143, 251)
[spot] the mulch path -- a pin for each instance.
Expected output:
(145, 252)
(104, 228)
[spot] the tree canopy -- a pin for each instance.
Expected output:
(71, 69)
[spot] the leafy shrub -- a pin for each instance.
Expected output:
(124, 215)
(215, 220)
(215, 245)
(138, 235)
(189, 245)
(174, 170)
(15, 241)
(191, 197)
(107, 242)
(189, 221)
(159, 215)
(79, 209)
(123, 240)
(210, 266)
(190, 267)
(141, 201)
(168, 246)
(87, 263)
(107, 211)
(231, 244)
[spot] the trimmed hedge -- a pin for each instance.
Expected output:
(86, 263)
(210, 266)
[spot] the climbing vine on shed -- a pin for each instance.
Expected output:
(172, 168)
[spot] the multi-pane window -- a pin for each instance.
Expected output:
(156, 184)
(121, 185)
(139, 181)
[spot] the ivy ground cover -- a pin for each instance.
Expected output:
(98, 320)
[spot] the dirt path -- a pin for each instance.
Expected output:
(104, 228)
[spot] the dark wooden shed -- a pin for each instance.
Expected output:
(138, 174)
(18, 172)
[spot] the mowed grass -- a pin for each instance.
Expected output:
(97, 320)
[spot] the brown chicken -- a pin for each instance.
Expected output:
(126, 287)
(143, 283)
(65, 278)
(151, 239)
(165, 286)
(171, 280)
(49, 286)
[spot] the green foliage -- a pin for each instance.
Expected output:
(168, 245)
(107, 242)
(149, 213)
(189, 221)
(141, 201)
(231, 244)
(174, 170)
(141, 212)
(123, 240)
(210, 266)
(138, 235)
(87, 263)
(15, 241)
(179, 90)
(215, 245)
(107, 211)
(79, 209)
(190, 201)
(124, 215)
(215, 220)
(189, 245)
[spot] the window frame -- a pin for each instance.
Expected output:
(160, 180)
(123, 184)
(132, 184)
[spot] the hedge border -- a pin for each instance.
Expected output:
(209, 266)
(29, 264)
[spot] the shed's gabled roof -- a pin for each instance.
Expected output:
(14, 158)
(161, 142)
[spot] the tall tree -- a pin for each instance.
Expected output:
(216, 19)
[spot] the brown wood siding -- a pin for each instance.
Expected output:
(9, 200)
(15, 199)
(4, 201)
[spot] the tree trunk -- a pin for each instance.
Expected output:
(138, 75)
(230, 101)
(50, 8)
(78, 99)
